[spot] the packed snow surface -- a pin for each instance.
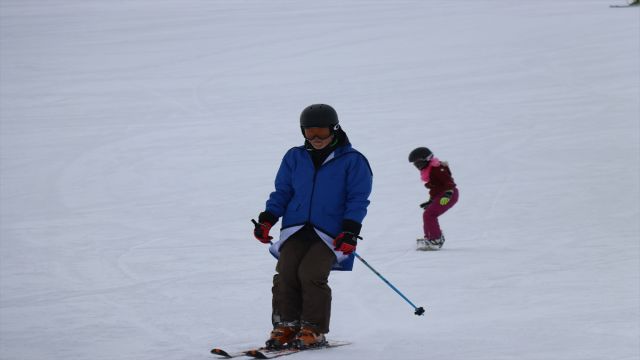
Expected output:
(139, 138)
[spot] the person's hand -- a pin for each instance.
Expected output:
(425, 204)
(444, 200)
(261, 231)
(346, 242)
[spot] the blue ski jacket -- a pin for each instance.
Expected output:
(339, 189)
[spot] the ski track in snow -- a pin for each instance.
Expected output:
(138, 139)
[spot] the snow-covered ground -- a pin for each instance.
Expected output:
(138, 139)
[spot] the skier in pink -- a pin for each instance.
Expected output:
(443, 194)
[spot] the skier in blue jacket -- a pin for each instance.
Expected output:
(321, 194)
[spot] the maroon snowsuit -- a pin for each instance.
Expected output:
(438, 180)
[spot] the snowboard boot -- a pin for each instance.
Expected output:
(437, 243)
(308, 337)
(429, 244)
(282, 335)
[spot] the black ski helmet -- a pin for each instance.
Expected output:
(319, 115)
(420, 157)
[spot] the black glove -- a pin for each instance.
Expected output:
(425, 204)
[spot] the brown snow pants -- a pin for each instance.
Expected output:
(300, 287)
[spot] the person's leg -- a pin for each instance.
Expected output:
(287, 293)
(432, 212)
(314, 273)
(431, 226)
(275, 301)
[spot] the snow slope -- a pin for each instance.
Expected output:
(138, 139)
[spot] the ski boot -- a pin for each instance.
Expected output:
(308, 337)
(282, 335)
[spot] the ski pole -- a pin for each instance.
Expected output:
(418, 310)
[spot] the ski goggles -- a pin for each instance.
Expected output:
(313, 133)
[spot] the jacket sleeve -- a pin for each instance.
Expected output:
(279, 199)
(359, 183)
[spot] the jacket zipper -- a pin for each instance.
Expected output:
(313, 185)
(313, 190)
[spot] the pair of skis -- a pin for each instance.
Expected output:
(267, 353)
